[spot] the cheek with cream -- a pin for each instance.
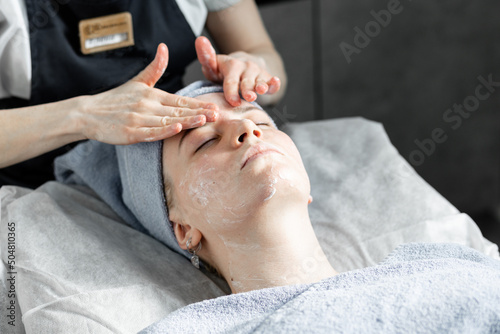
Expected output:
(212, 193)
(215, 190)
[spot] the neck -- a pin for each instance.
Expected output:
(281, 249)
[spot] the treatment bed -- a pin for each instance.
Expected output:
(80, 269)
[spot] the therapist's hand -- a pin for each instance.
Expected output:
(136, 111)
(238, 71)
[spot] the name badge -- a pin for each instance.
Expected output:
(106, 33)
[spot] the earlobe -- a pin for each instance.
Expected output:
(184, 232)
(310, 199)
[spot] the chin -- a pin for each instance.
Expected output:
(274, 179)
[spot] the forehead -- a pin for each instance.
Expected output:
(227, 111)
(221, 102)
(217, 98)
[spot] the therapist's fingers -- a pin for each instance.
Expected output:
(159, 128)
(231, 88)
(266, 84)
(153, 72)
(274, 85)
(232, 69)
(248, 81)
(207, 58)
(179, 101)
(137, 135)
(158, 121)
(239, 71)
(210, 115)
(261, 86)
(248, 89)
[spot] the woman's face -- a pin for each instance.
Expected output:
(228, 171)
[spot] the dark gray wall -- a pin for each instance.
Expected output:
(427, 59)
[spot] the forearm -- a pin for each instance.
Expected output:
(131, 113)
(29, 132)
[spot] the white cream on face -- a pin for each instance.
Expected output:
(219, 199)
(226, 205)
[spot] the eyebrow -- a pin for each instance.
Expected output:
(240, 109)
(246, 109)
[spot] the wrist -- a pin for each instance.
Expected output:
(76, 117)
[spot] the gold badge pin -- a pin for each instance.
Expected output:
(106, 33)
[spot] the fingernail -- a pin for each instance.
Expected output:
(250, 96)
(198, 121)
(211, 114)
(212, 107)
(263, 88)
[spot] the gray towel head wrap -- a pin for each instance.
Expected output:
(129, 178)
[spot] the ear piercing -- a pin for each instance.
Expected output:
(195, 260)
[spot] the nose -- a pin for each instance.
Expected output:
(245, 129)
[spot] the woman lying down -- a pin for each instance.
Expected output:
(237, 197)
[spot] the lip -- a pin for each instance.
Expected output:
(257, 150)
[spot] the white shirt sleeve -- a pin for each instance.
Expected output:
(216, 5)
(195, 11)
(15, 54)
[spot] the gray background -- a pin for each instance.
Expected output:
(427, 59)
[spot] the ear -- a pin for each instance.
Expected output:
(310, 200)
(185, 231)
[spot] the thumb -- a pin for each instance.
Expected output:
(207, 58)
(153, 72)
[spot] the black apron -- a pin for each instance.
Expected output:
(60, 70)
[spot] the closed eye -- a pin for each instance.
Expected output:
(205, 143)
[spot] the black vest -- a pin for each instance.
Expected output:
(60, 70)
